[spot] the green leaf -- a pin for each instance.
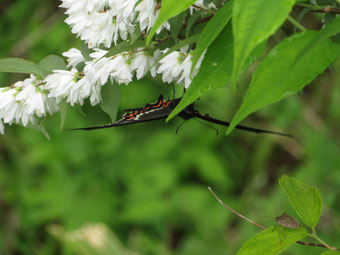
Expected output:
(39, 127)
(278, 77)
(329, 30)
(215, 70)
(136, 34)
(63, 108)
(331, 253)
(85, 51)
(124, 46)
(212, 30)
(169, 9)
(272, 241)
(254, 22)
(305, 199)
(176, 25)
(52, 62)
(19, 65)
(179, 45)
(110, 100)
(191, 22)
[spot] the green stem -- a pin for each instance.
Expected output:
(308, 6)
(295, 23)
(315, 236)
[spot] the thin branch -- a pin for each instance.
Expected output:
(328, 10)
(260, 226)
(233, 211)
(323, 9)
(203, 9)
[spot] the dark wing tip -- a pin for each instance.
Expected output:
(93, 128)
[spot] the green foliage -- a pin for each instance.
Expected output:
(329, 30)
(250, 28)
(124, 46)
(331, 253)
(304, 198)
(307, 203)
(52, 62)
(279, 75)
(18, 65)
(110, 100)
(148, 186)
(216, 66)
(169, 9)
(63, 108)
(272, 241)
(212, 30)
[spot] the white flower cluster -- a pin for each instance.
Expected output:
(105, 21)
(76, 86)
(176, 67)
(99, 23)
(23, 101)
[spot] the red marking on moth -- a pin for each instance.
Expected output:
(129, 118)
(207, 115)
(146, 108)
(158, 104)
(166, 103)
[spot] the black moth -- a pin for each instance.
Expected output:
(162, 109)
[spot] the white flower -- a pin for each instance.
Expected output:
(142, 63)
(36, 101)
(20, 102)
(187, 76)
(74, 57)
(121, 69)
(170, 66)
(176, 67)
(60, 84)
(11, 109)
(8, 104)
(147, 14)
(116, 67)
(99, 69)
(100, 22)
(103, 22)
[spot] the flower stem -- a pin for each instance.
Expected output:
(295, 23)
(315, 236)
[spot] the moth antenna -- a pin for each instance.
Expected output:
(207, 125)
(180, 126)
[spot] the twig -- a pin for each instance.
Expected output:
(326, 9)
(233, 211)
(203, 9)
(260, 226)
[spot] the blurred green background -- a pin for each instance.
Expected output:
(142, 189)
